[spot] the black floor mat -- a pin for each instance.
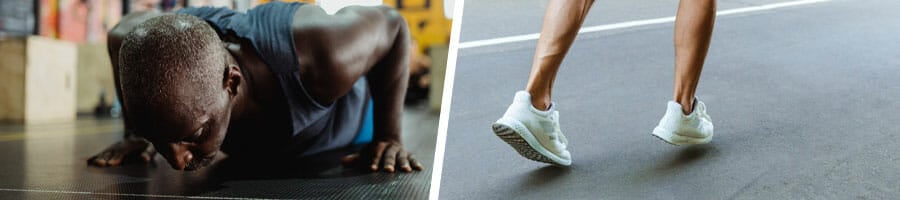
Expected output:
(48, 162)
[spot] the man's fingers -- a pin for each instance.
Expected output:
(123, 151)
(95, 161)
(103, 159)
(349, 159)
(148, 154)
(390, 157)
(146, 157)
(415, 163)
(379, 151)
(115, 159)
(403, 161)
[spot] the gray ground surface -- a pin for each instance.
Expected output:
(48, 162)
(804, 100)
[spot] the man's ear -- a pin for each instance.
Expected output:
(233, 77)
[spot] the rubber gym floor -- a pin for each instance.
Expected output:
(804, 99)
(49, 162)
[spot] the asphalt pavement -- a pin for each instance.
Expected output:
(804, 100)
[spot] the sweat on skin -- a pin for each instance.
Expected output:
(184, 87)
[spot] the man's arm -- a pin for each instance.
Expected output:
(337, 50)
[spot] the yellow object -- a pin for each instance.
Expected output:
(426, 21)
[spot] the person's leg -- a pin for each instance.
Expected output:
(530, 125)
(693, 30)
(562, 19)
(686, 121)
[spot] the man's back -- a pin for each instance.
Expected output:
(315, 127)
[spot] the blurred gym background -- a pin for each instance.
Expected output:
(55, 64)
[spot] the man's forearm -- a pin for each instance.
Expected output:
(388, 81)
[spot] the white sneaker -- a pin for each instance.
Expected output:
(535, 134)
(679, 129)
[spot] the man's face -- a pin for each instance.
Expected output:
(189, 139)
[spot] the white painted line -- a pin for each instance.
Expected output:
(630, 24)
(450, 74)
(121, 194)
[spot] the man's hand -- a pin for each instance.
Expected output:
(388, 155)
(129, 149)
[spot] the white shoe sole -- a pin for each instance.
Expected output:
(679, 140)
(517, 135)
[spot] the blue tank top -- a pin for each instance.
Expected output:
(314, 127)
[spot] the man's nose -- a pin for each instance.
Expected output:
(181, 156)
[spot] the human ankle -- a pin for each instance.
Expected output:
(542, 104)
(687, 106)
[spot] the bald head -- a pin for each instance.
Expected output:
(171, 65)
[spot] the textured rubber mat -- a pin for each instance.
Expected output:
(48, 162)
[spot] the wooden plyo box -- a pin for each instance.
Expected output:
(37, 80)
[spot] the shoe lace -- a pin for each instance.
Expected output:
(562, 140)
